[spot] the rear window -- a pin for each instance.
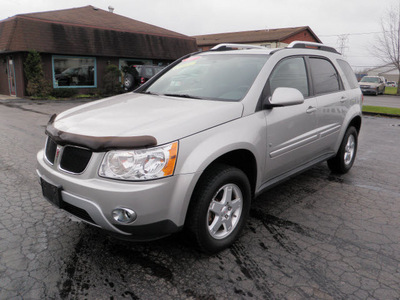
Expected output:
(370, 79)
(349, 73)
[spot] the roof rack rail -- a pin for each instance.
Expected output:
(311, 45)
(224, 47)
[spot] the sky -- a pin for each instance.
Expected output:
(356, 22)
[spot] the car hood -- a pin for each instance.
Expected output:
(130, 115)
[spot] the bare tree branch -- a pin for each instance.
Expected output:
(387, 46)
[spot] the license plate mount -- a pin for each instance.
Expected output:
(52, 193)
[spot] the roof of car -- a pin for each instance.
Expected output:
(297, 45)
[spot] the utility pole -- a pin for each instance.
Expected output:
(343, 40)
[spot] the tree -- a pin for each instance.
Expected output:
(387, 47)
(37, 86)
(111, 77)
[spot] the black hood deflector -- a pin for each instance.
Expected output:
(98, 144)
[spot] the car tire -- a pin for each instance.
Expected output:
(377, 92)
(219, 208)
(344, 159)
(128, 82)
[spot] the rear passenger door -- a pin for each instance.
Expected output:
(332, 102)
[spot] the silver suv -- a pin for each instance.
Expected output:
(372, 85)
(194, 145)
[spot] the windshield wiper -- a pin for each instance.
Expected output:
(183, 96)
(148, 93)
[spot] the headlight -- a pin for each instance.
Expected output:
(142, 164)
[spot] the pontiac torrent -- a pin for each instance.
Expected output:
(194, 145)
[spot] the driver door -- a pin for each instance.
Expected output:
(291, 130)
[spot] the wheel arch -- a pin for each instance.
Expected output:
(242, 159)
(356, 123)
(354, 120)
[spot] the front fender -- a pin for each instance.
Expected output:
(198, 151)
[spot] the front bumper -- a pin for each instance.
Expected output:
(159, 204)
(368, 90)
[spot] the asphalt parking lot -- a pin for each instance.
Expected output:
(317, 236)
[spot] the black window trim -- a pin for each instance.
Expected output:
(266, 91)
(307, 59)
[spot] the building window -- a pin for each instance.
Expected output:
(74, 72)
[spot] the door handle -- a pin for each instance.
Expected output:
(311, 109)
(343, 99)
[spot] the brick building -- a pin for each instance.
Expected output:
(270, 38)
(77, 44)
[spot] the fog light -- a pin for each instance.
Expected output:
(124, 215)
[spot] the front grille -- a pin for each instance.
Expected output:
(78, 212)
(51, 148)
(75, 159)
(72, 159)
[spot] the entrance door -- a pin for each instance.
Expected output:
(11, 76)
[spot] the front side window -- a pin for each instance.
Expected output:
(224, 77)
(324, 76)
(74, 72)
(290, 72)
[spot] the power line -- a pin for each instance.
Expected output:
(359, 33)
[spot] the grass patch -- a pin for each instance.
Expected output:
(87, 96)
(381, 110)
(390, 90)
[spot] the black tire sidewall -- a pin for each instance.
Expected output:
(130, 76)
(342, 167)
(213, 180)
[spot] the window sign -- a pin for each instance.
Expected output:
(74, 72)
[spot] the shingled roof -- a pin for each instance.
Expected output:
(255, 36)
(91, 31)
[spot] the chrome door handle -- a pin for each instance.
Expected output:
(311, 109)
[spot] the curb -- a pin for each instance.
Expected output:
(380, 115)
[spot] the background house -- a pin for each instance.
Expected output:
(389, 71)
(270, 38)
(77, 44)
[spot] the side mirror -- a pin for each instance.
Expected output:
(284, 96)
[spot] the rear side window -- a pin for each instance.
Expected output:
(324, 76)
(349, 73)
(290, 72)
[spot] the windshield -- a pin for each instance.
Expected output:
(226, 77)
(370, 79)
